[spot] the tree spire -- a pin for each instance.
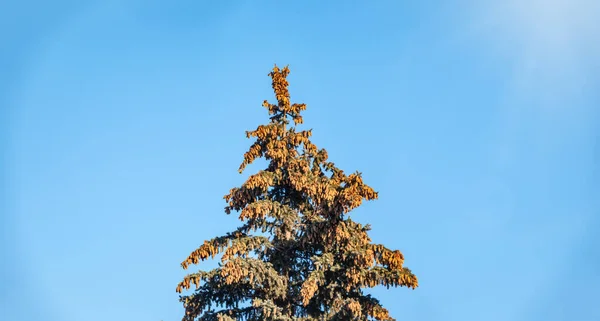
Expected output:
(297, 255)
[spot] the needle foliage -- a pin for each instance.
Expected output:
(297, 254)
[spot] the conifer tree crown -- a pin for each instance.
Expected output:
(297, 255)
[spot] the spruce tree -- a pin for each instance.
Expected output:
(297, 254)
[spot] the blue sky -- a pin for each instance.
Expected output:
(123, 126)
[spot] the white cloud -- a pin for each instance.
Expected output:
(552, 45)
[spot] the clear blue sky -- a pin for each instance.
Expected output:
(123, 126)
